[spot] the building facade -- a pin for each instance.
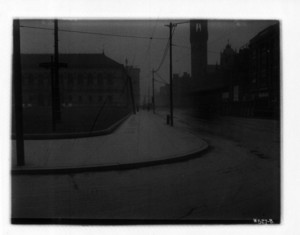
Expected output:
(265, 71)
(88, 80)
(247, 82)
(253, 77)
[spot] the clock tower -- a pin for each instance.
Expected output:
(198, 40)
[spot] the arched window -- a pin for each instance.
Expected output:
(100, 79)
(198, 27)
(80, 80)
(31, 79)
(90, 79)
(110, 80)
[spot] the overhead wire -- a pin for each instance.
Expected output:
(95, 33)
(149, 44)
(164, 56)
(165, 52)
(148, 52)
(162, 79)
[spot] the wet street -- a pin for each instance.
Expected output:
(227, 182)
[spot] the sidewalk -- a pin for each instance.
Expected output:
(143, 138)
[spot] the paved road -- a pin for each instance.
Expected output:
(228, 182)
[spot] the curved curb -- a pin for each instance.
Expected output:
(76, 135)
(115, 167)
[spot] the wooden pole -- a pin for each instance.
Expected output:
(153, 99)
(17, 85)
(171, 73)
(56, 74)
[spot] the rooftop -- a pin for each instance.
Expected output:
(72, 60)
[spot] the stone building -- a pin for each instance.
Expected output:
(247, 82)
(252, 77)
(88, 80)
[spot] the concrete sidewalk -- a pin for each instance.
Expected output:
(142, 138)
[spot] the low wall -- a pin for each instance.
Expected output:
(38, 121)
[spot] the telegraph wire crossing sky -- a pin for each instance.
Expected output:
(142, 43)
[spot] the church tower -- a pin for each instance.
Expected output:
(198, 40)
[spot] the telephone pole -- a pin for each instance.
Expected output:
(51, 65)
(171, 73)
(153, 99)
(17, 83)
(131, 93)
(56, 74)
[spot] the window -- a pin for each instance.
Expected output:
(236, 93)
(41, 82)
(90, 81)
(31, 79)
(62, 75)
(70, 79)
(225, 95)
(41, 100)
(80, 81)
(110, 80)
(31, 98)
(263, 94)
(100, 80)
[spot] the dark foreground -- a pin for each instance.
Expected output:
(228, 184)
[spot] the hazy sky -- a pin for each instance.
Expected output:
(143, 53)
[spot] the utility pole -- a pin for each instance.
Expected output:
(153, 100)
(53, 93)
(54, 67)
(148, 99)
(51, 65)
(171, 74)
(132, 94)
(56, 74)
(17, 83)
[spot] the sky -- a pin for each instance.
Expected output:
(146, 52)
